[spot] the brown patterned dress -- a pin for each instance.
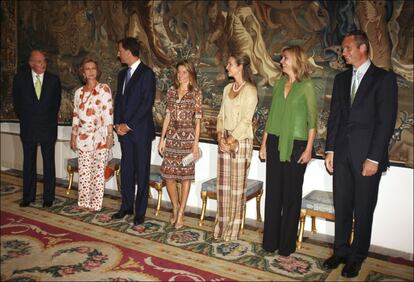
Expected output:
(180, 133)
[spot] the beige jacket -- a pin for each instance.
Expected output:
(236, 114)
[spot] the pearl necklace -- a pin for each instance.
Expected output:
(237, 89)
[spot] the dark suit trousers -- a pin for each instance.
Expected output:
(29, 170)
(355, 196)
(135, 170)
(283, 200)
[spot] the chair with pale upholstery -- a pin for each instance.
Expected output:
(316, 204)
(254, 190)
(72, 167)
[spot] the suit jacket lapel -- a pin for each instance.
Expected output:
(44, 86)
(32, 88)
(134, 78)
(365, 83)
(347, 91)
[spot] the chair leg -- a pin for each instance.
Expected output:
(258, 215)
(301, 228)
(313, 225)
(243, 220)
(157, 211)
(70, 172)
(203, 207)
(118, 179)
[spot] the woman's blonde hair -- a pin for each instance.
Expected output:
(301, 66)
(189, 66)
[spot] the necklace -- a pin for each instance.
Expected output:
(237, 89)
(88, 90)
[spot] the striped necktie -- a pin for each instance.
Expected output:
(354, 86)
(38, 86)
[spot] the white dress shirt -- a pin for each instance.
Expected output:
(35, 75)
(133, 67)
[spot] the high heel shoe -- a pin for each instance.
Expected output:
(180, 221)
(174, 215)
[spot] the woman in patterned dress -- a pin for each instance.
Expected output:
(92, 135)
(235, 139)
(180, 135)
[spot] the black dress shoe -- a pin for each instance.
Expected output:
(120, 214)
(24, 204)
(138, 221)
(351, 269)
(47, 204)
(333, 262)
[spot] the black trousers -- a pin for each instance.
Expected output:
(283, 199)
(355, 197)
(29, 170)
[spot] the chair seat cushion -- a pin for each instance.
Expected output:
(317, 200)
(73, 162)
(253, 186)
(155, 174)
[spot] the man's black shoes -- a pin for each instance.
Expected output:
(121, 214)
(24, 204)
(138, 221)
(351, 269)
(333, 262)
(47, 204)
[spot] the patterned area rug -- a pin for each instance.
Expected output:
(64, 243)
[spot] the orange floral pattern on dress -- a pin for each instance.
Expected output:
(92, 114)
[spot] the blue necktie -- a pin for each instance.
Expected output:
(128, 76)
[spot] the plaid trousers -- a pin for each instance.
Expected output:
(231, 186)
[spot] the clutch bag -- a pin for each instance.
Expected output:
(188, 159)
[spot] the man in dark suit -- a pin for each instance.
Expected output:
(135, 128)
(36, 100)
(360, 125)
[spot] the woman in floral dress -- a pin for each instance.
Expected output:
(92, 135)
(180, 135)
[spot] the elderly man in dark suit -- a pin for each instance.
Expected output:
(135, 128)
(36, 100)
(360, 125)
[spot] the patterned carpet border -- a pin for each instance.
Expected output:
(194, 246)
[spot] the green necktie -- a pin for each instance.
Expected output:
(38, 86)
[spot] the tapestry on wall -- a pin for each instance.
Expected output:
(205, 32)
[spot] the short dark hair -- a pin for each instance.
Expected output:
(360, 38)
(131, 44)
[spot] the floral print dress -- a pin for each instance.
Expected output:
(92, 114)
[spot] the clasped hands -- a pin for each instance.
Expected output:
(227, 145)
(122, 129)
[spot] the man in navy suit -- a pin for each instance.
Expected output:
(135, 128)
(360, 125)
(36, 101)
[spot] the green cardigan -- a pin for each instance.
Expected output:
(291, 118)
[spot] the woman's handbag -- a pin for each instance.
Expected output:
(109, 171)
(188, 159)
